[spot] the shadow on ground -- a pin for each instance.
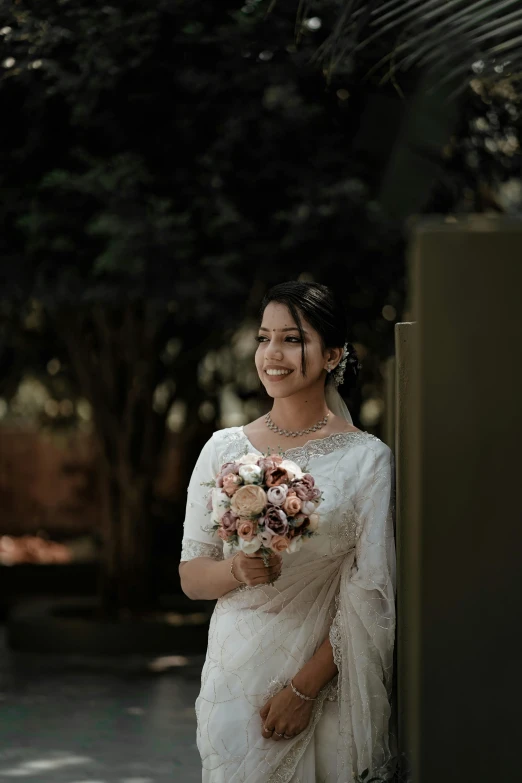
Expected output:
(80, 719)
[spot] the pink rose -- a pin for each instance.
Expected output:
(224, 535)
(229, 522)
(292, 506)
(226, 470)
(302, 490)
(231, 482)
(269, 463)
(275, 520)
(249, 500)
(246, 529)
(276, 476)
(279, 544)
(277, 495)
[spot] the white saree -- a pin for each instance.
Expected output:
(342, 584)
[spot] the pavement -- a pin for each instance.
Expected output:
(66, 719)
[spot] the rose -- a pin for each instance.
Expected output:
(293, 470)
(226, 469)
(251, 474)
(231, 482)
(265, 536)
(275, 520)
(248, 459)
(299, 520)
(279, 544)
(314, 522)
(249, 547)
(292, 506)
(220, 503)
(276, 495)
(224, 535)
(246, 529)
(267, 463)
(229, 522)
(249, 500)
(276, 476)
(308, 508)
(295, 545)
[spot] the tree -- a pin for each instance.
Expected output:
(161, 165)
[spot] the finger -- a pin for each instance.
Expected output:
(265, 710)
(276, 736)
(266, 732)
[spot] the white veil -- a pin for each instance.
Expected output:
(335, 402)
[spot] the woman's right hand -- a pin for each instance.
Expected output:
(251, 570)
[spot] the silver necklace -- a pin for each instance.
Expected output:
(294, 433)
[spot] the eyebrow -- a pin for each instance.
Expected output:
(288, 329)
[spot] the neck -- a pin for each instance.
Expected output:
(301, 410)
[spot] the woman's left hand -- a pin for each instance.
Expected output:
(285, 713)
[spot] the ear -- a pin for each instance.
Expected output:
(334, 356)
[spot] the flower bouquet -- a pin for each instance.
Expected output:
(264, 504)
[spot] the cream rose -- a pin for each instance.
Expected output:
(314, 522)
(295, 545)
(249, 547)
(248, 459)
(220, 503)
(251, 474)
(293, 470)
(249, 500)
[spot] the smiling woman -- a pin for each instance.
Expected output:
(297, 681)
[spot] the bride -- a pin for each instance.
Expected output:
(297, 680)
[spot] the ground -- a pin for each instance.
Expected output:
(101, 720)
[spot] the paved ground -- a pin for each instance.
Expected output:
(103, 720)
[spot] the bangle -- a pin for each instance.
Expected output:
(232, 569)
(301, 695)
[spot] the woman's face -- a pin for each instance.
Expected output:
(278, 356)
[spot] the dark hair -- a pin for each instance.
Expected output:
(322, 309)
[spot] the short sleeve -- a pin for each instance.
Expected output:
(198, 538)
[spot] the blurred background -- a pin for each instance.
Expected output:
(163, 164)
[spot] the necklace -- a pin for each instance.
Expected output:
(294, 433)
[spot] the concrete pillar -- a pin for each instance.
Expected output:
(460, 521)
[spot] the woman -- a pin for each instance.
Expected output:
(297, 679)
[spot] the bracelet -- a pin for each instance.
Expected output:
(232, 569)
(301, 695)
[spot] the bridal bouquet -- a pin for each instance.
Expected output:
(264, 503)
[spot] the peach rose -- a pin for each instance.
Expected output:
(279, 543)
(249, 500)
(292, 506)
(231, 482)
(246, 529)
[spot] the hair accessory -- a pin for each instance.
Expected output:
(349, 357)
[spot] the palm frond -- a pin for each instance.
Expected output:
(454, 39)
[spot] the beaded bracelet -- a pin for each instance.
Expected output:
(301, 695)
(232, 571)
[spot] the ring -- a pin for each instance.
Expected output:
(265, 728)
(279, 735)
(287, 736)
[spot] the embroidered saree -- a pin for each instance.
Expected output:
(340, 584)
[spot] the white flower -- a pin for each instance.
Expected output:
(308, 508)
(248, 459)
(314, 522)
(220, 503)
(249, 547)
(251, 474)
(295, 545)
(293, 470)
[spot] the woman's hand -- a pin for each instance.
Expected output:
(285, 713)
(251, 570)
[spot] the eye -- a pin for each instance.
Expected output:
(260, 338)
(293, 339)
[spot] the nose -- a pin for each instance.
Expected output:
(273, 351)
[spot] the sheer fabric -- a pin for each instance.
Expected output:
(341, 584)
